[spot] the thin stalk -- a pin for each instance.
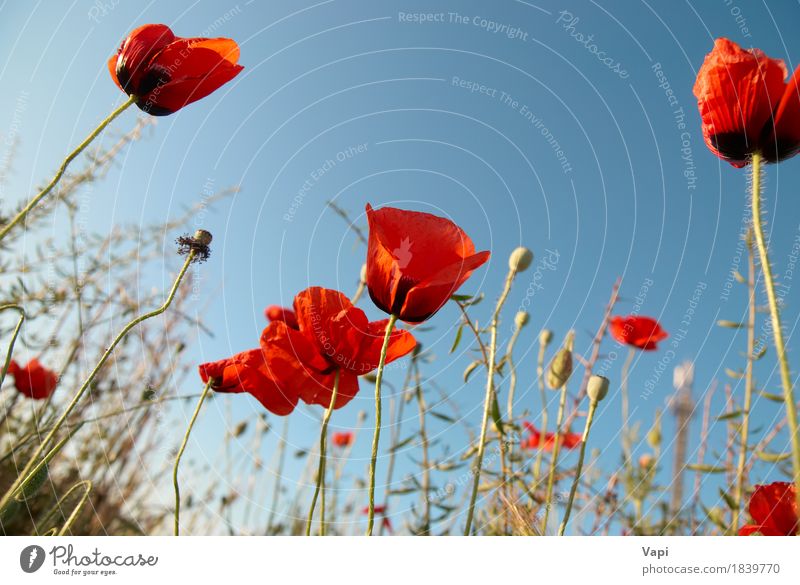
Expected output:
(537, 468)
(579, 468)
(512, 373)
(377, 436)
(551, 476)
(748, 389)
(426, 470)
(626, 433)
(177, 524)
(70, 157)
(777, 330)
(278, 475)
(323, 442)
(82, 390)
(487, 403)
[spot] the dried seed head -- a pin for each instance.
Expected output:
(545, 337)
(521, 319)
(197, 244)
(520, 259)
(597, 388)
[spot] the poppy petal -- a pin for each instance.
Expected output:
(784, 139)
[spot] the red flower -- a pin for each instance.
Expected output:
(640, 332)
(166, 72)
(271, 384)
(746, 106)
(332, 334)
(568, 440)
(278, 313)
(33, 380)
(380, 511)
(416, 261)
(342, 440)
(773, 508)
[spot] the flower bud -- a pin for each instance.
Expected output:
(646, 460)
(597, 388)
(561, 366)
(521, 319)
(520, 259)
(545, 337)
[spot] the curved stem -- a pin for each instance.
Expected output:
(14, 336)
(276, 490)
(426, 466)
(777, 330)
(548, 502)
(626, 433)
(377, 436)
(177, 524)
(70, 157)
(323, 441)
(579, 468)
(82, 390)
(748, 390)
(487, 403)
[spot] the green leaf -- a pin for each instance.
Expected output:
(772, 397)
(728, 499)
(460, 298)
(730, 324)
(403, 443)
(741, 279)
(471, 368)
(735, 374)
(761, 352)
(441, 416)
(705, 468)
(457, 340)
(772, 457)
(730, 415)
(496, 416)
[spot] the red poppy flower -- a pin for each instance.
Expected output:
(568, 440)
(342, 440)
(380, 511)
(166, 72)
(278, 313)
(33, 380)
(271, 384)
(332, 334)
(416, 261)
(746, 106)
(640, 332)
(773, 508)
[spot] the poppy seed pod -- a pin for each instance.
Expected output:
(597, 388)
(521, 319)
(545, 337)
(203, 237)
(646, 461)
(561, 366)
(520, 259)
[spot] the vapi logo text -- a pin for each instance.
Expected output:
(31, 558)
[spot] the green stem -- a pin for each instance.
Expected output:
(548, 502)
(626, 433)
(426, 466)
(276, 491)
(487, 404)
(70, 157)
(82, 390)
(748, 390)
(377, 436)
(177, 523)
(579, 468)
(777, 330)
(323, 442)
(14, 336)
(537, 468)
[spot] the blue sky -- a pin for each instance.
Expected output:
(504, 116)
